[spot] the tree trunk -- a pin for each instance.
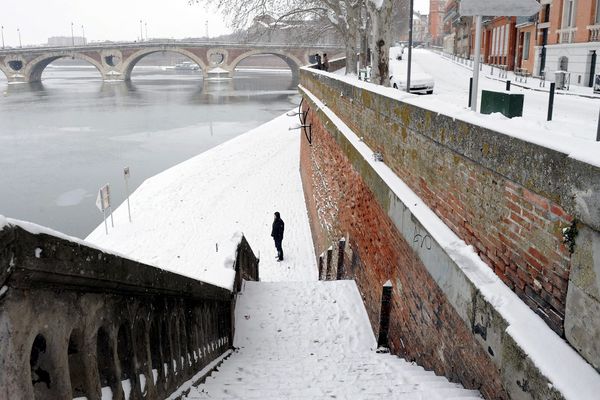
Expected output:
(352, 35)
(381, 22)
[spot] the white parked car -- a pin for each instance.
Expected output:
(420, 82)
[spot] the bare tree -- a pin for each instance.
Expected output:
(346, 17)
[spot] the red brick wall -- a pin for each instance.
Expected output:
(423, 325)
(517, 232)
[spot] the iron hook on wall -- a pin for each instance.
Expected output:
(303, 125)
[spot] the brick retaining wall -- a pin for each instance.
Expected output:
(510, 199)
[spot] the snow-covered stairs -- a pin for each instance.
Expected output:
(312, 340)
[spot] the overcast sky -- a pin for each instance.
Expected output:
(111, 19)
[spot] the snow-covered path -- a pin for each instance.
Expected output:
(313, 340)
(185, 218)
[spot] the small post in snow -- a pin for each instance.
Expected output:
(126, 175)
(340, 261)
(508, 86)
(470, 90)
(384, 316)
(598, 131)
(551, 102)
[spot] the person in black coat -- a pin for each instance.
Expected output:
(277, 235)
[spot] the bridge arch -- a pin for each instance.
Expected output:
(132, 60)
(292, 61)
(35, 68)
(4, 70)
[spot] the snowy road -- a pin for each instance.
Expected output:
(573, 116)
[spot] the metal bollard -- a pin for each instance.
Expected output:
(508, 86)
(470, 91)
(598, 131)
(551, 103)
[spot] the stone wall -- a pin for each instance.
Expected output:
(76, 322)
(512, 200)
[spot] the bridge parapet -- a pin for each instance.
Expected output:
(116, 61)
(78, 322)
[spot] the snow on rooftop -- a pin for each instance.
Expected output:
(189, 218)
(562, 365)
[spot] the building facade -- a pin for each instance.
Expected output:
(568, 39)
(436, 21)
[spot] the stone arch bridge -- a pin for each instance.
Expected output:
(115, 62)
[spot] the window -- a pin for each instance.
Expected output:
(569, 14)
(526, 41)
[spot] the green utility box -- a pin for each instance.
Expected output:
(510, 105)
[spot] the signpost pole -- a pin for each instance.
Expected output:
(105, 224)
(475, 89)
(126, 175)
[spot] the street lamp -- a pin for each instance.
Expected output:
(141, 32)
(83, 34)
(410, 44)
(19, 32)
(146, 27)
(2, 36)
(72, 36)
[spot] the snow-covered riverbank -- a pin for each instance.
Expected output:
(187, 218)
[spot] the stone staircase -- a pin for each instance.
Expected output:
(312, 340)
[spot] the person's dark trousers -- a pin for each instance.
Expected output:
(279, 249)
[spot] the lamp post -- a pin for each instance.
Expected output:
(146, 29)
(72, 36)
(410, 44)
(83, 34)
(141, 32)
(2, 36)
(19, 33)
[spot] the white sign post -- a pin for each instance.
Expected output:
(479, 8)
(103, 204)
(126, 176)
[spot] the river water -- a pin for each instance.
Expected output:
(61, 140)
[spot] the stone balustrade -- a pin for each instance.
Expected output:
(76, 322)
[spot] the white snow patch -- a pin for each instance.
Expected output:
(3, 290)
(38, 252)
(126, 384)
(107, 393)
